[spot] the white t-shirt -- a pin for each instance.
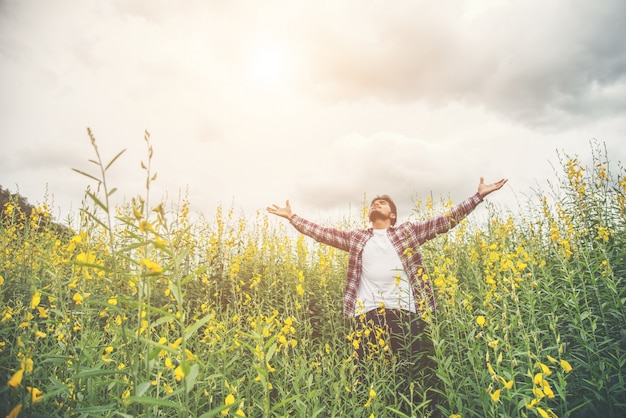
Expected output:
(383, 279)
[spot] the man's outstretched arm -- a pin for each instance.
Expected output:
(282, 212)
(329, 236)
(485, 189)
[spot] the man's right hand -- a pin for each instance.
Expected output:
(282, 212)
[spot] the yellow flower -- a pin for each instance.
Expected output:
(145, 226)
(455, 416)
(15, 411)
(300, 289)
(35, 300)
(566, 366)
(168, 363)
(547, 390)
(507, 385)
(551, 359)
(151, 265)
(480, 320)
(494, 344)
(269, 367)
(35, 394)
(543, 413)
(229, 400)
(77, 298)
(495, 396)
(179, 373)
(545, 369)
(16, 379)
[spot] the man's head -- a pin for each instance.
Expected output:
(382, 207)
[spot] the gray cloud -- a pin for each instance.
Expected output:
(535, 62)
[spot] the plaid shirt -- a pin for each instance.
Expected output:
(406, 239)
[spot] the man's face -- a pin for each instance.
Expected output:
(380, 209)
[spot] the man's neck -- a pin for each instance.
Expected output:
(381, 224)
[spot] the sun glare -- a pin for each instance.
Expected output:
(270, 66)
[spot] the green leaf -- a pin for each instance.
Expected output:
(96, 372)
(97, 201)
(191, 329)
(191, 377)
(146, 400)
(87, 175)
(142, 388)
(114, 158)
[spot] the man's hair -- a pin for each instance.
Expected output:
(392, 205)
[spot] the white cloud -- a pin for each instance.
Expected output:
(363, 98)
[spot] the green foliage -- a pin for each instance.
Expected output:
(144, 313)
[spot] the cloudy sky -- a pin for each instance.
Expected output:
(250, 103)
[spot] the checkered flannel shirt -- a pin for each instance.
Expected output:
(406, 239)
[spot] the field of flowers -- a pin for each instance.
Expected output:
(137, 311)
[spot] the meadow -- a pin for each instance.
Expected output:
(139, 311)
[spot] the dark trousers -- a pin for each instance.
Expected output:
(393, 331)
(400, 336)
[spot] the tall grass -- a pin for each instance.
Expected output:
(142, 312)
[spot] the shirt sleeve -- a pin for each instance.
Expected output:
(330, 236)
(432, 227)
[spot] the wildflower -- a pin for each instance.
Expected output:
(35, 394)
(371, 398)
(495, 396)
(494, 344)
(145, 226)
(532, 403)
(151, 265)
(77, 298)
(43, 313)
(491, 371)
(543, 413)
(551, 359)
(507, 385)
(179, 373)
(1, 280)
(16, 379)
(35, 300)
(168, 363)
(27, 364)
(480, 320)
(547, 390)
(545, 369)
(15, 411)
(566, 366)
(229, 400)
(125, 395)
(299, 289)
(40, 334)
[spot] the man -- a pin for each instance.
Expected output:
(387, 287)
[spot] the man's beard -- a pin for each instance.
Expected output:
(376, 215)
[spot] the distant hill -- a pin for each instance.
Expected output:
(26, 208)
